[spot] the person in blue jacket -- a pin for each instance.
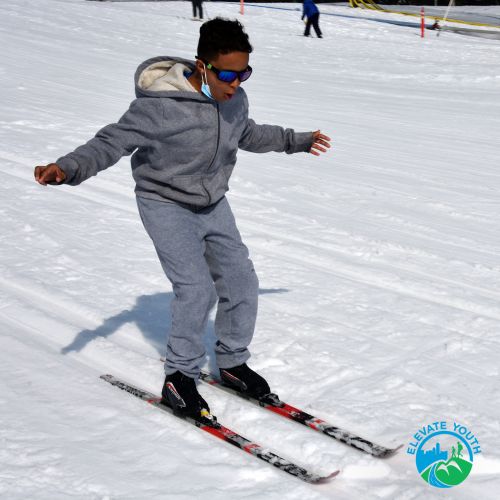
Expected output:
(312, 13)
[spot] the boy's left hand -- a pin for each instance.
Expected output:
(321, 143)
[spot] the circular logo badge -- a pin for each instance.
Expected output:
(444, 459)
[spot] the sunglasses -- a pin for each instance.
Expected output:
(228, 76)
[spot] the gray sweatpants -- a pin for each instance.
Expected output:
(204, 258)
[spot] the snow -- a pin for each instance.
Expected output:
(378, 262)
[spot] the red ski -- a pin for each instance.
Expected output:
(272, 403)
(209, 424)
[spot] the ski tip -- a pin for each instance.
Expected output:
(389, 452)
(327, 479)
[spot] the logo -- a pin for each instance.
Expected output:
(444, 453)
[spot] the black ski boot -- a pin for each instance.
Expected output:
(180, 393)
(245, 380)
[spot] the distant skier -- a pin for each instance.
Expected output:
(311, 12)
(197, 9)
(184, 130)
(436, 25)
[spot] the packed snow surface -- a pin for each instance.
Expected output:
(379, 262)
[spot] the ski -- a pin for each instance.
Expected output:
(272, 403)
(209, 424)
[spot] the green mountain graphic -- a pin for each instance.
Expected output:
(452, 472)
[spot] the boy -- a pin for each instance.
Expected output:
(186, 125)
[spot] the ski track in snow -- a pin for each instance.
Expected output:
(378, 263)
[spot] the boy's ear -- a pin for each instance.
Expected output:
(200, 65)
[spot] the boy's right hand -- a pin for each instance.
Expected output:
(49, 174)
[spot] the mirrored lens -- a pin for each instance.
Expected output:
(245, 75)
(227, 76)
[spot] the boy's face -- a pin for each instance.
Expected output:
(234, 61)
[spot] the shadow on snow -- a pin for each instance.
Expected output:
(151, 316)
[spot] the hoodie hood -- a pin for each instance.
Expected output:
(165, 76)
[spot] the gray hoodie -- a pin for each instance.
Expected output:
(184, 144)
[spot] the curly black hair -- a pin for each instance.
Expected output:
(222, 36)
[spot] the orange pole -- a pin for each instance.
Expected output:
(422, 22)
(242, 7)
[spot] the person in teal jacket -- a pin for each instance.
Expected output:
(311, 12)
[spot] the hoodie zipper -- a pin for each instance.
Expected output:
(215, 155)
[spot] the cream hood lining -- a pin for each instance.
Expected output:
(165, 76)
